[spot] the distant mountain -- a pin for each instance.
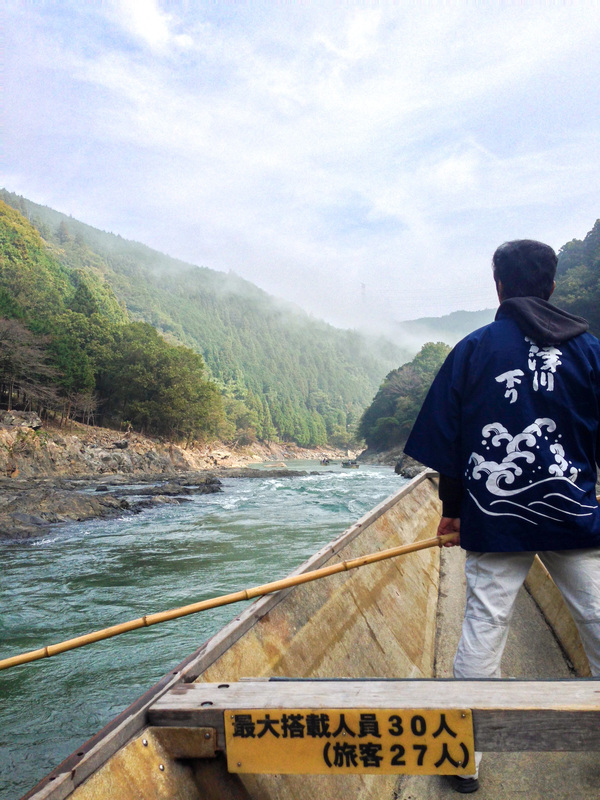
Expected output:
(282, 374)
(450, 328)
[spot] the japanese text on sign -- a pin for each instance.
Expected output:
(295, 741)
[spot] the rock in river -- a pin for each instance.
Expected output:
(30, 509)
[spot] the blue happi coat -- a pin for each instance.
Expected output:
(514, 415)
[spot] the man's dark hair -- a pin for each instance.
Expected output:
(526, 268)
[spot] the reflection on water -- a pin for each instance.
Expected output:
(95, 574)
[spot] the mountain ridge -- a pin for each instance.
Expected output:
(283, 374)
(449, 328)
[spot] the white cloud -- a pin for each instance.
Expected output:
(147, 23)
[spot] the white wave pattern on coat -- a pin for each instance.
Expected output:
(532, 469)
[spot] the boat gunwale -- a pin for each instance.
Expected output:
(97, 750)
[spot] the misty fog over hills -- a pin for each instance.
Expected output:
(449, 329)
(407, 335)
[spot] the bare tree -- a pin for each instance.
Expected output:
(84, 406)
(25, 375)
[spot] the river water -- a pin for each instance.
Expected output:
(91, 575)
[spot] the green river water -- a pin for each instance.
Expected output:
(86, 576)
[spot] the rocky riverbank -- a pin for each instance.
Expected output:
(50, 476)
(30, 508)
(30, 449)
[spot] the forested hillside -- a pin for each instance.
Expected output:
(388, 420)
(279, 373)
(68, 348)
(578, 278)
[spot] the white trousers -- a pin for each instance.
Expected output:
(493, 582)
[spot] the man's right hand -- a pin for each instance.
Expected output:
(450, 525)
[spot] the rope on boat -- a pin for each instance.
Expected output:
(223, 600)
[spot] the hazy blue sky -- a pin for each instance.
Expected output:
(363, 159)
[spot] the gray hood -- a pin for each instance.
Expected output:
(541, 321)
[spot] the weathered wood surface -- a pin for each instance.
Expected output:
(414, 513)
(182, 742)
(191, 701)
(507, 715)
(419, 495)
(378, 621)
(142, 770)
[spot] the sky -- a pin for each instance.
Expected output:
(361, 159)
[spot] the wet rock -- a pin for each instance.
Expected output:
(382, 457)
(32, 511)
(403, 465)
(250, 472)
(27, 519)
(173, 489)
(407, 467)
(152, 502)
(31, 508)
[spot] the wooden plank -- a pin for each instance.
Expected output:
(575, 694)
(508, 715)
(500, 730)
(186, 742)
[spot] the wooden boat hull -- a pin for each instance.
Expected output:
(377, 621)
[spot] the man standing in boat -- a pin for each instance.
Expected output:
(512, 424)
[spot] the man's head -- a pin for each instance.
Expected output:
(524, 268)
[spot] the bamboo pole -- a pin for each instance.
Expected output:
(223, 600)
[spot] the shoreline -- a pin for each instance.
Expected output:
(30, 449)
(30, 508)
(50, 477)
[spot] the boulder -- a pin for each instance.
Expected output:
(20, 419)
(31, 511)
(408, 467)
(381, 457)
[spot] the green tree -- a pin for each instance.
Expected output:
(279, 362)
(578, 278)
(160, 388)
(83, 301)
(387, 422)
(63, 234)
